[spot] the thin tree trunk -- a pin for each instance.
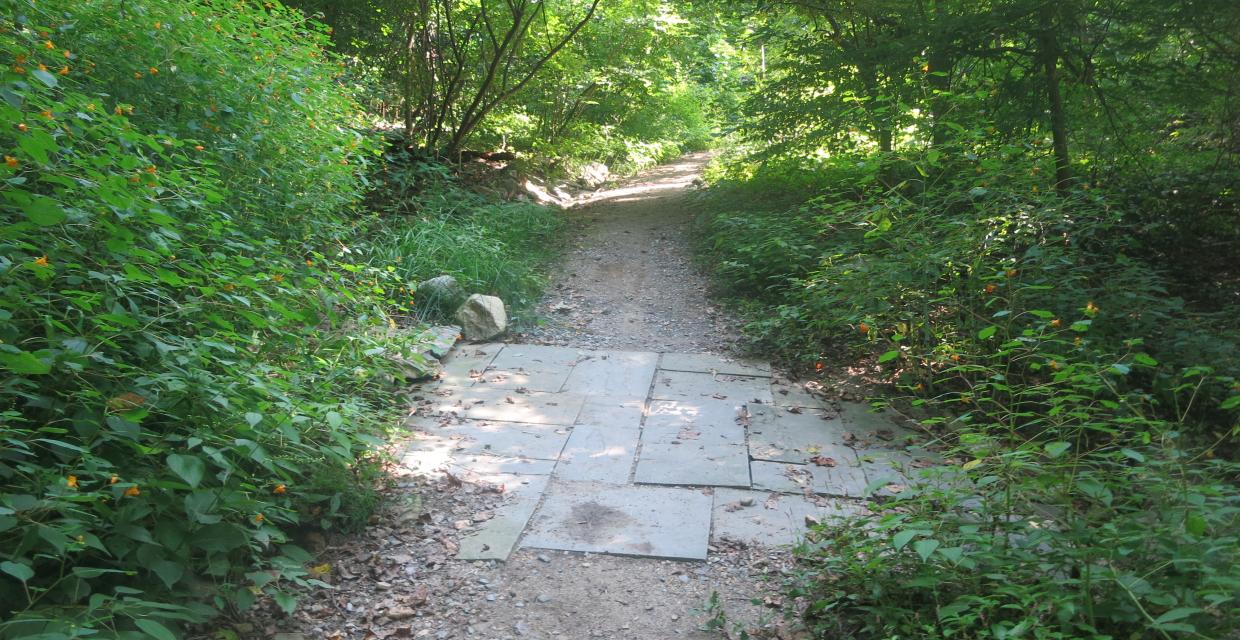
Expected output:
(1048, 51)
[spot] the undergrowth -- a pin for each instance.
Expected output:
(1085, 413)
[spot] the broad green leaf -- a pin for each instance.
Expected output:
(190, 468)
(1056, 449)
(902, 538)
(889, 356)
(1131, 454)
(334, 419)
(17, 570)
(1179, 613)
(24, 363)
(45, 77)
(44, 211)
(987, 332)
(155, 629)
(925, 547)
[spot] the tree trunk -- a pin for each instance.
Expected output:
(1048, 52)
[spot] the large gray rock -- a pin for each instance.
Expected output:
(440, 295)
(482, 317)
(594, 174)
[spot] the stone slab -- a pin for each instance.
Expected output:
(496, 538)
(789, 393)
(772, 520)
(785, 436)
(702, 414)
(686, 456)
(463, 365)
(596, 453)
(439, 340)
(709, 363)
(846, 479)
(874, 427)
(494, 438)
(605, 411)
(613, 373)
(682, 385)
(658, 522)
(532, 367)
(490, 403)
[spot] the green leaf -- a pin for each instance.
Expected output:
(925, 547)
(168, 571)
(1179, 613)
(45, 77)
(155, 629)
(334, 419)
(987, 332)
(287, 601)
(219, 537)
(44, 211)
(1141, 358)
(24, 363)
(1195, 524)
(19, 571)
(190, 468)
(1056, 449)
(900, 539)
(253, 418)
(1133, 455)
(1230, 403)
(889, 356)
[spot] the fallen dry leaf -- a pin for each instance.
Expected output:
(823, 461)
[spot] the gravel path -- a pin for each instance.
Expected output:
(629, 282)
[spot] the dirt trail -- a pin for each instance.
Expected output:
(629, 282)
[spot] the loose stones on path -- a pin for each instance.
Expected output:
(635, 453)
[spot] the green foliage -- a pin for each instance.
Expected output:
(195, 366)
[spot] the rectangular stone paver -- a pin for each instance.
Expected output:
(702, 414)
(490, 403)
(686, 456)
(493, 437)
(462, 365)
(846, 479)
(496, 538)
(771, 519)
(597, 453)
(658, 522)
(617, 412)
(795, 394)
(682, 385)
(779, 434)
(613, 373)
(708, 363)
(532, 367)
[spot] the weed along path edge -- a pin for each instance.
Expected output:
(615, 483)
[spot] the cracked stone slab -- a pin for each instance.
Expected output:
(771, 519)
(874, 427)
(617, 412)
(597, 453)
(493, 438)
(657, 522)
(782, 435)
(462, 365)
(496, 538)
(847, 479)
(708, 363)
(687, 456)
(683, 385)
(490, 403)
(702, 414)
(613, 373)
(788, 393)
(439, 340)
(532, 367)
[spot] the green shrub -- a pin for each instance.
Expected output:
(194, 361)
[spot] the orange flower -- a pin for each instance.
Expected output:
(158, 25)
(278, 277)
(153, 71)
(42, 67)
(151, 169)
(21, 126)
(1011, 273)
(1091, 308)
(955, 357)
(137, 75)
(198, 147)
(41, 261)
(114, 479)
(133, 491)
(71, 482)
(863, 328)
(68, 54)
(47, 114)
(118, 111)
(1054, 365)
(309, 263)
(64, 71)
(17, 68)
(258, 518)
(21, 58)
(817, 366)
(280, 489)
(919, 387)
(1056, 323)
(991, 288)
(47, 44)
(11, 162)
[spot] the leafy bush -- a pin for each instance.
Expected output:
(1048, 362)
(195, 367)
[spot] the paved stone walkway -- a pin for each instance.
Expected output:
(646, 454)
